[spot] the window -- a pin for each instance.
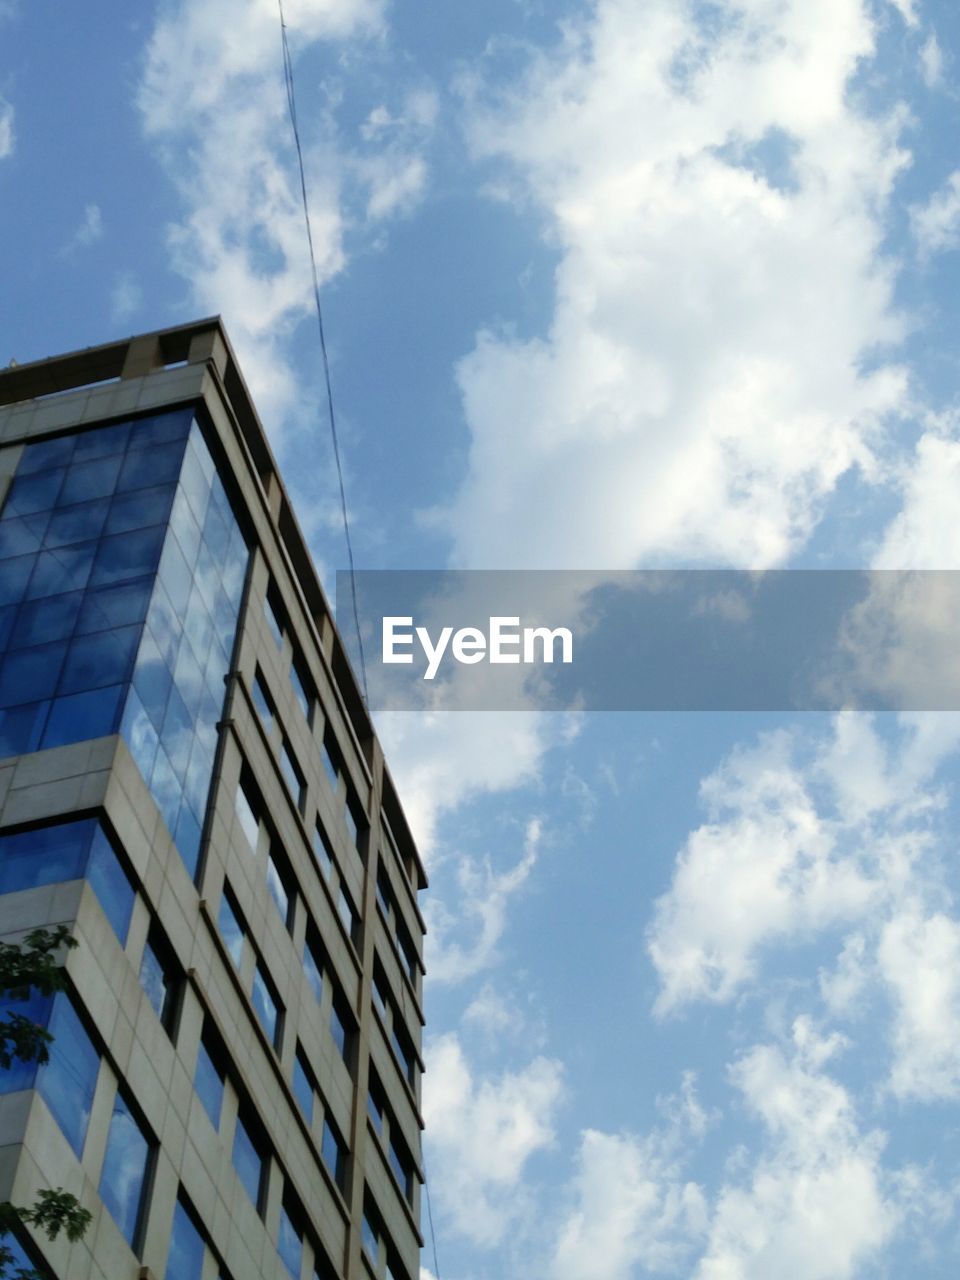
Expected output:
(248, 811)
(341, 1028)
(280, 884)
(322, 851)
(356, 821)
(408, 954)
(161, 980)
(334, 1151)
(263, 702)
(185, 1259)
(231, 929)
(384, 894)
(273, 613)
(292, 775)
(375, 1107)
(301, 689)
(123, 1180)
(351, 921)
(69, 851)
(401, 1163)
(331, 758)
(249, 1161)
(290, 1241)
(371, 1238)
(303, 1085)
(313, 962)
(379, 996)
(404, 1051)
(267, 1004)
(210, 1076)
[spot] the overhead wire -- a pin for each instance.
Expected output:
(292, 108)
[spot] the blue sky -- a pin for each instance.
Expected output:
(630, 283)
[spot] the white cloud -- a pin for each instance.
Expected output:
(907, 10)
(717, 206)
(212, 97)
(936, 224)
(766, 866)
(7, 135)
(88, 232)
(814, 1205)
(931, 61)
(919, 957)
(481, 1133)
(125, 297)
(632, 1209)
(481, 911)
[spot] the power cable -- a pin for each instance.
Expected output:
(292, 107)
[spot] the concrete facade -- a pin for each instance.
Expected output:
(310, 1010)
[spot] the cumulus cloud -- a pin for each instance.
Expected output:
(803, 836)
(730, 172)
(936, 224)
(815, 1204)
(919, 958)
(481, 1134)
(7, 135)
(931, 61)
(481, 910)
(88, 232)
(212, 99)
(125, 297)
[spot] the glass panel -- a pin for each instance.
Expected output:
(110, 883)
(375, 1112)
(123, 1179)
(67, 1081)
(273, 621)
(101, 442)
(249, 822)
(75, 524)
(292, 775)
(21, 728)
(401, 1169)
(64, 569)
(127, 555)
(185, 1259)
(37, 492)
(22, 536)
(303, 1086)
(114, 606)
(300, 691)
(36, 1009)
(40, 621)
(29, 675)
(248, 1162)
(370, 1242)
(347, 913)
(44, 855)
(313, 968)
(14, 577)
(155, 982)
(96, 479)
(278, 890)
(208, 1081)
(99, 659)
(46, 453)
(323, 852)
(158, 464)
(261, 701)
(139, 510)
(78, 716)
(265, 1003)
(290, 1245)
(334, 1152)
(231, 931)
(338, 1030)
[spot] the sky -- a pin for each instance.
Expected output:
(607, 284)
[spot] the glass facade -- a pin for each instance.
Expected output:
(123, 1178)
(121, 573)
(69, 851)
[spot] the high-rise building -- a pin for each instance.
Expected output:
(190, 781)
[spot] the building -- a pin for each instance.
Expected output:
(189, 780)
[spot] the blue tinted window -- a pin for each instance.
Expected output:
(292, 775)
(46, 453)
(44, 855)
(338, 1029)
(14, 577)
(36, 1009)
(185, 527)
(59, 570)
(266, 1005)
(273, 620)
(278, 890)
(16, 1257)
(261, 700)
(30, 493)
(303, 1086)
(78, 716)
(158, 977)
(28, 675)
(158, 464)
(20, 537)
(313, 967)
(402, 1169)
(208, 1081)
(114, 606)
(40, 621)
(110, 883)
(231, 930)
(140, 735)
(322, 851)
(127, 555)
(185, 1259)
(246, 813)
(248, 1162)
(103, 658)
(347, 913)
(371, 1242)
(139, 510)
(290, 1245)
(68, 1080)
(100, 442)
(375, 1112)
(334, 1151)
(404, 1054)
(96, 479)
(124, 1174)
(21, 728)
(299, 682)
(80, 523)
